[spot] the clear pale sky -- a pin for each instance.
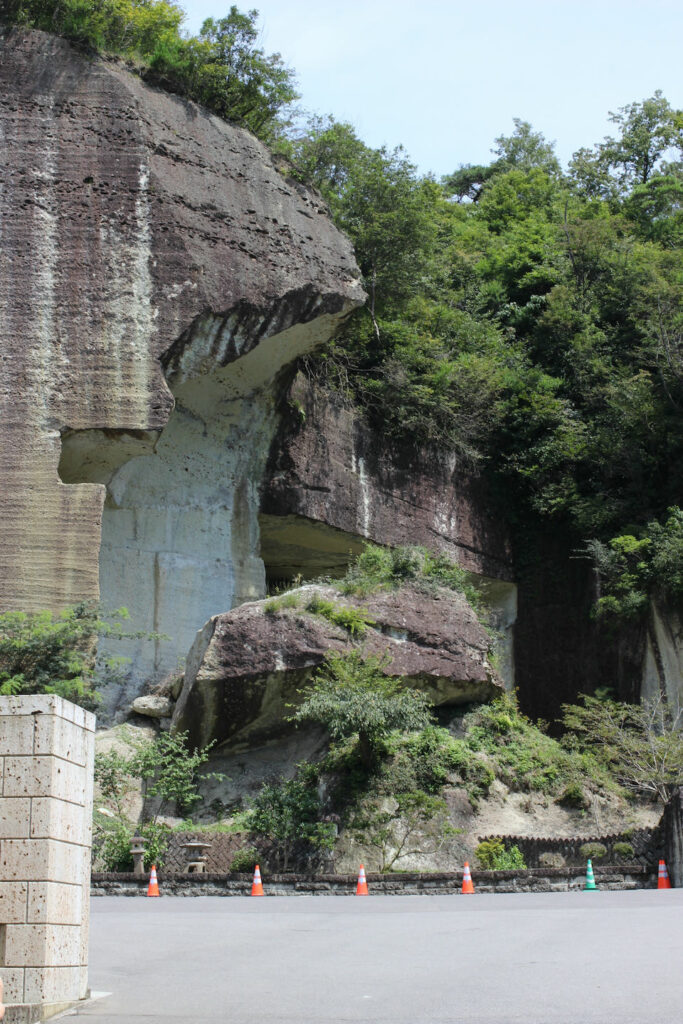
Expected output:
(444, 79)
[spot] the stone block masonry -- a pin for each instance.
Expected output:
(46, 771)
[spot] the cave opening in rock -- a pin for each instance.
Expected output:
(180, 530)
(179, 523)
(295, 549)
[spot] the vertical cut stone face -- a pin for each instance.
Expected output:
(151, 257)
(328, 468)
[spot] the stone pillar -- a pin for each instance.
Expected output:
(46, 767)
(672, 824)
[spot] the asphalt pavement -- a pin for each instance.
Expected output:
(556, 958)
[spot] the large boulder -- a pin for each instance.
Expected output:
(247, 666)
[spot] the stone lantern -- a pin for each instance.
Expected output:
(137, 848)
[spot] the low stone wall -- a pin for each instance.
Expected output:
(647, 845)
(626, 876)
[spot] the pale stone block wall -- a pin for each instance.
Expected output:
(46, 771)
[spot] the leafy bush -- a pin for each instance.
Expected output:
(573, 795)
(157, 836)
(494, 856)
(111, 844)
(551, 859)
(244, 859)
(624, 851)
(352, 695)
(633, 569)
(288, 814)
(169, 773)
(55, 653)
(354, 620)
(640, 745)
(434, 754)
(593, 851)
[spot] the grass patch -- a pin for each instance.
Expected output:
(493, 855)
(354, 620)
(390, 568)
(276, 605)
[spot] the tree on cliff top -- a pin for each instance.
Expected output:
(222, 67)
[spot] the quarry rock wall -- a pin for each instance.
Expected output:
(156, 275)
(332, 483)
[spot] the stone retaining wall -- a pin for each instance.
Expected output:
(647, 844)
(627, 876)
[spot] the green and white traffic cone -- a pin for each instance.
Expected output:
(590, 879)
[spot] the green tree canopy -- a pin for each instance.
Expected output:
(641, 744)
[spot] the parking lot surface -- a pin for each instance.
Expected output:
(557, 958)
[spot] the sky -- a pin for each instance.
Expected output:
(445, 78)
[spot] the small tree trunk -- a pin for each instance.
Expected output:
(365, 749)
(372, 302)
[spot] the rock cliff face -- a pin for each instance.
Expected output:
(156, 274)
(327, 467)
(247, 666)
(331, 483)
(158, 281)
(561, 650)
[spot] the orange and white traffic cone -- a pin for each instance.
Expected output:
(256, 885)
(663, 880)
(467, 886)
(153, 887)
(362, 887)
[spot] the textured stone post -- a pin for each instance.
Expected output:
(46, 762)
(673, 838)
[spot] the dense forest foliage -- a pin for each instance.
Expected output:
(527, 317)
(531, 320)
